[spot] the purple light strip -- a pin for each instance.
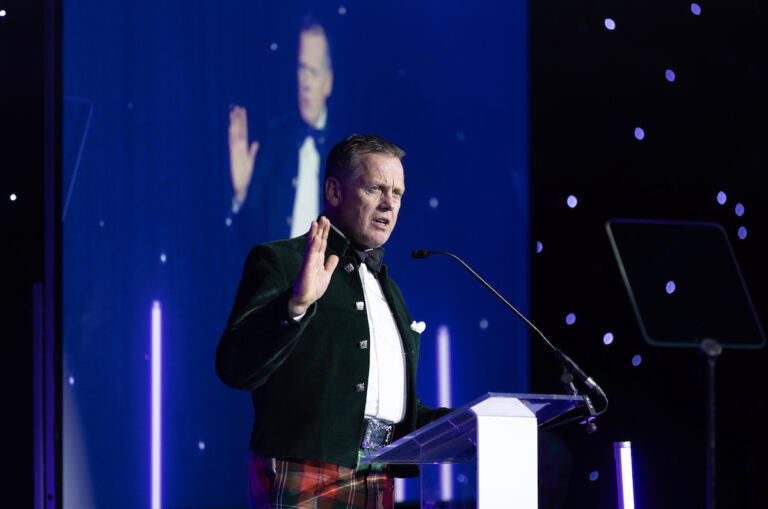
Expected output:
(622, 452)
(38, 392)
(399, 489)
(443, 366)
(156, 467)
(444, 400)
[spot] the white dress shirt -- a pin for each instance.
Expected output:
(385, 398)
(306, 201)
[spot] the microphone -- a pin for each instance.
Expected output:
(570, 367)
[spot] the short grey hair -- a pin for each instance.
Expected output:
(345, 158)
(310, 25)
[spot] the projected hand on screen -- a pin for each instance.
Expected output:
(316, 271)
(241, 155)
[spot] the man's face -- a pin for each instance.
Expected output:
(314, 79)
(367, 202)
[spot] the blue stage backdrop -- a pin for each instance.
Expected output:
(149, 231)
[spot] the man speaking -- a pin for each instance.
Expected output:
(322, 338)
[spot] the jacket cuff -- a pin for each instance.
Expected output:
(288, 319)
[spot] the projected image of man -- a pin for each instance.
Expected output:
(276, 184)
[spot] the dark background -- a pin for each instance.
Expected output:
(704, 133)
(590, 88)
(22, 232)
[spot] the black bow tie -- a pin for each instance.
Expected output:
(372, 259)
(317, 134)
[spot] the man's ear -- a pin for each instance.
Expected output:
(332, 191)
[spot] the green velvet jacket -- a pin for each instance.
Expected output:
(308, 380)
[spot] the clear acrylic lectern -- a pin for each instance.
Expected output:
(498, 429)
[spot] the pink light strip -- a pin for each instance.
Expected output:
(622, 452)
(156, 467)
(399, 490)
(444, 400)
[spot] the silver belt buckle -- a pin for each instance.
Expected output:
(377, 434)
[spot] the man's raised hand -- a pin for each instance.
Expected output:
(316, 271)
(241, 156)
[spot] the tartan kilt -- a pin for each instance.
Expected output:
(274, 483)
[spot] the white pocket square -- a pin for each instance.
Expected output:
(418, 326)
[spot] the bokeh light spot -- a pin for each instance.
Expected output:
(610, 24)
(636, 360)
(539, 246)
(608, 338)
(670, 75)
(572, 201)
(570, 318)
(695, 9)
(721, 197)
(670, 287)
(742, 233)
(639, 133)
(593, 476)
(739, 209)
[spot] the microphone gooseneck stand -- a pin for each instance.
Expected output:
(571, 370)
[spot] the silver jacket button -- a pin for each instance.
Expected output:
(364, 344)
(360, 387)
(349, 267)
(360, 305)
